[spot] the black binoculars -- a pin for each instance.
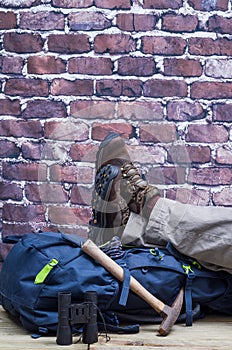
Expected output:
(72, 314)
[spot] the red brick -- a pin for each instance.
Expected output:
(23, 42)
(66, 131)
(117, 88)
(211, 90)
(184, 111)
(166, 175)
(83, 152)
(20, 3)
(209, 47)
(44, 109)
(7, 20)
(223, 198)
(78, 87)
(138, 66)
(88, 21)
(10, 107)
(165, 88)
(182, 67)
(21, 213)
(180, 23)
(224, 155)
(188, 154)
(140, 111)
(32, 150)
(24, 171)
(46, 193)
(62, 215)
(158, 133)
(21, 228)
(26, 87)
(211, 176)
(220, 24)
(10, 190)
(41, 20)
(68, 43)
(207, 133)
(209, 5)
(91, 65)
(189, 196)
(71, 174)
(11, 65)
(8, 149)
(148, 155)
(114, 43)
(162, 4)
(45, 65)
(21, 128)
(113, 4)
(163, 45)
(92, 109)
(72, 3)
(222, 112)
(100, 131)
(218, 68)
(136, 22)
(81, 195)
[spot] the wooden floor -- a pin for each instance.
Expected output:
(211, 333)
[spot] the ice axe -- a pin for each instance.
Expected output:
(168, 313)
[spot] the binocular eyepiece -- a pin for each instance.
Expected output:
(72, 314)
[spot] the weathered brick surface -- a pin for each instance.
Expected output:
(139, 66)
(7, 20)
(68, 43)
(44, 109)
(23, 42)
(91, 65)
(184, 111)
(45, 65)
(158, 72)
(10, 107)
(211, 90)
(158, 133)
(19, 128)
(164, 88)
(43, 20)
(163, 45)
(88, 21)
(136, 22)
(8, 149)
(114, 43)
(182, 67)
(162, 4)
(209, 5)
(220, 24)
(72, 3)
(222, 112)
(180, 23)
(26, 87)
(78, 87)
(11, 65)
(207, 133)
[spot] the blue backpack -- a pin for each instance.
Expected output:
(39, 266)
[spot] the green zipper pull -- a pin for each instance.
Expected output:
(187, 269)
(42, 275)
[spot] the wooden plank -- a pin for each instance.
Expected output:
(211, 333)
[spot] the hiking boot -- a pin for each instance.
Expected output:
(137, 192)
(119, 188)
(110, 212)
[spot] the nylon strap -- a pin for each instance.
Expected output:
(42, 275)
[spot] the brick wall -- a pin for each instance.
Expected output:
(157, 71)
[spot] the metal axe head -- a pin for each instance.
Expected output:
(171, 313)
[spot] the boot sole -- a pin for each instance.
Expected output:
(102, 189)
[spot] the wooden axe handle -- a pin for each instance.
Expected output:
(110, 265)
